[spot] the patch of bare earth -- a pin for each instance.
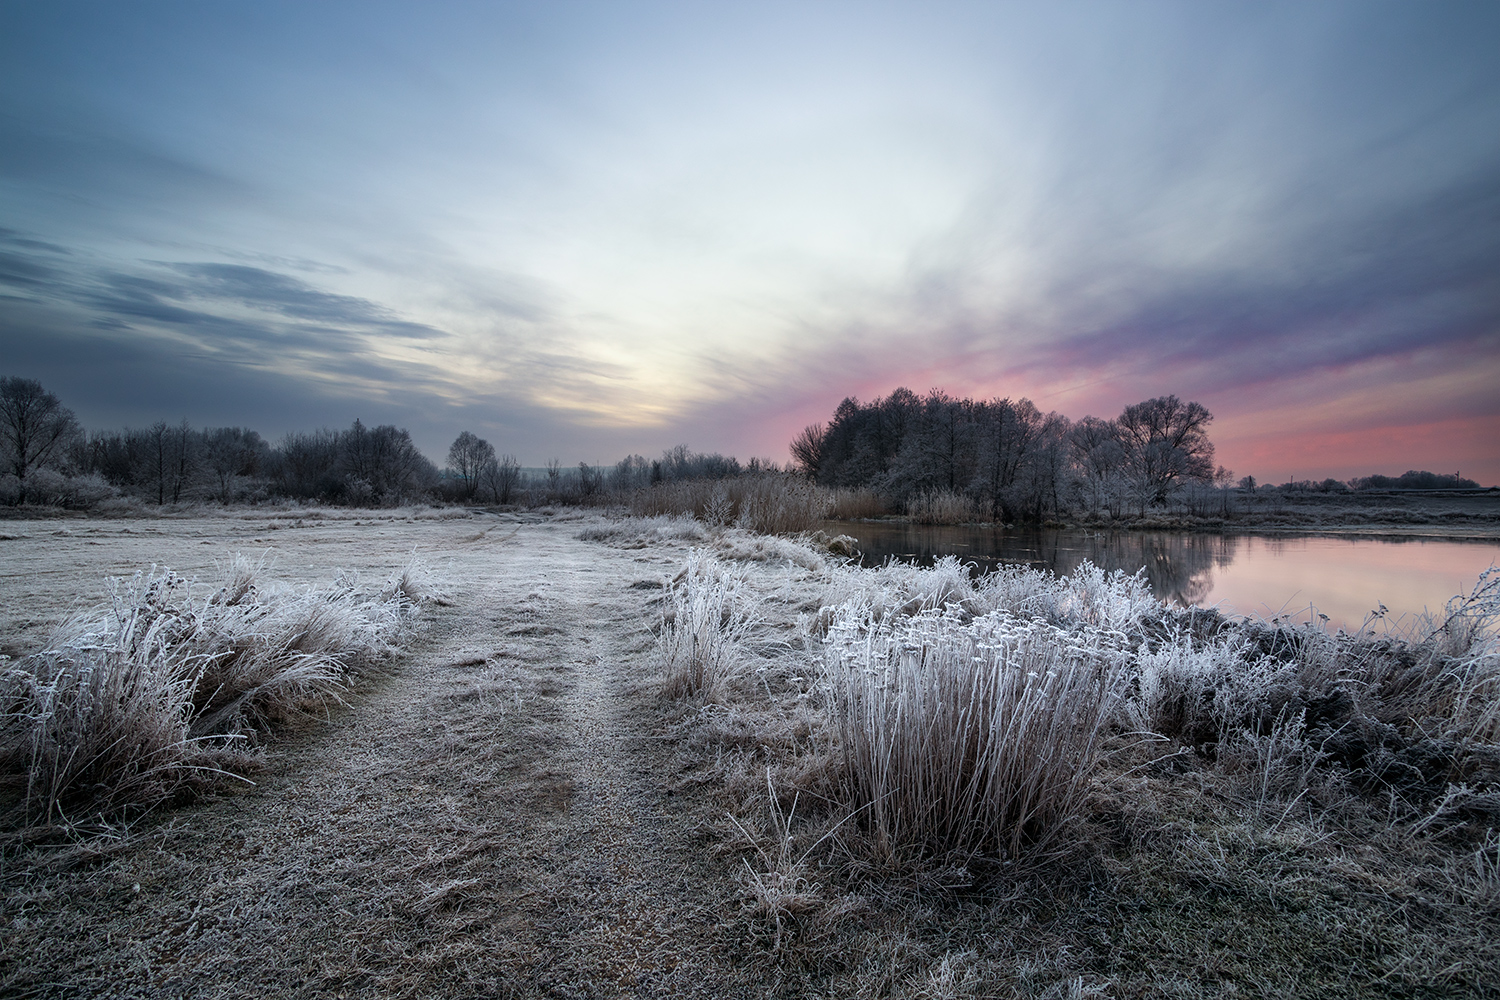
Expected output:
(495, 817)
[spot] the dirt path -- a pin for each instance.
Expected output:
(495, 818)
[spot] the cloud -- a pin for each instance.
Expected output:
(294, 298)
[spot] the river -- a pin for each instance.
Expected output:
(1345, 578)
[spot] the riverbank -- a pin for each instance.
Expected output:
(1436, 514)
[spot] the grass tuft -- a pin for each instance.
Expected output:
(158, 692)
(703, 623)
(974, 736)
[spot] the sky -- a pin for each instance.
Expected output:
(586, 230)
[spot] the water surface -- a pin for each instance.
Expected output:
(1341, 577)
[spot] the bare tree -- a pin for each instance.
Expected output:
(232, 453)
(165, 458)
(500, 477)
(631, 472)
(1006, 434)
(590, 480)
(381, 463)
(1100, 460)
(34, 426)
(1165, 442)
(400, 469)
(807, 450)
(468, 456)
(307, 464)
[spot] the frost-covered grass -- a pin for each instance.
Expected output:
(640, 532)
(965, 735)
(162, 690)
(972, 765)
(705, 619)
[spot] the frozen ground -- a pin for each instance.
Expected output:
(512, 809)
(494, 817)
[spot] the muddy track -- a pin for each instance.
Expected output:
(495, 818)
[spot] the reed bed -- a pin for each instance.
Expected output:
(159, 692)
(774, 504)
(854, 505)
(942, 507)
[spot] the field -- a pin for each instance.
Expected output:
(648, 757)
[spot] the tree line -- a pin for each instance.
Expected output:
(997, 459)
(1006, 458)
(48, 458)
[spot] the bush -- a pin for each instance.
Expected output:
(50, 488)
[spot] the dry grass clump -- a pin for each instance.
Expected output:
(746, 547)
(974, 736)
(769, 504)
(704, 621)
(160, 692)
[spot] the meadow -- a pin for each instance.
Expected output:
(446, 752)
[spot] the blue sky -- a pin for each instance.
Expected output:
(582, 230)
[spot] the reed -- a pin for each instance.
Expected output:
(942, 507)
(772, 504)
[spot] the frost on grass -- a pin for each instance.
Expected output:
(968, 714)
(706, 615)
(957, 735)
(160, 692)
(640, 532)
(974, 767)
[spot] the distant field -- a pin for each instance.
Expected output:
(1481, 509)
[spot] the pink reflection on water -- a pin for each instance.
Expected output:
(1346, 578)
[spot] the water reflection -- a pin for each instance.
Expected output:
(1177, 565)
(1344, 578)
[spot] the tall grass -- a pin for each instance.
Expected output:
(975, 736)
(769, 504)
(852, 505)
(942, 507)
(159, 691)
(704, 620)
(967, 711)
